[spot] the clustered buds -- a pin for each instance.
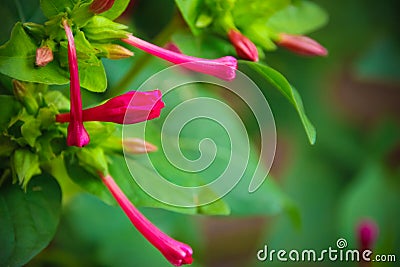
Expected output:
(176, 252)
(100, 6)
(301, 45)
(245, 48)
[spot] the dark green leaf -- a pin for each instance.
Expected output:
(9, 108)
(280, 82)
(17, 60)
(28, 220)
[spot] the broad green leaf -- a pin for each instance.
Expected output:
(191, 10)
(52, 8)
(9, 108)
(116, 10)
(28, 219)
(280, 82)
(300, 17)
(17, 60)
(25, 165)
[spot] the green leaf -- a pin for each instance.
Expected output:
(116, 10)
(101, 29)
(280, 82)
(52, 8)
(17, 60)
(92, 160)
(191, 10)
(300, 17)
(28, 220)
(25, 165)
(30, 130)
(9, 108)
(57, 99)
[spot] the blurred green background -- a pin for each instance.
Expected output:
(351, 173)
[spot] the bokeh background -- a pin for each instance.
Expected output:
(352, 173)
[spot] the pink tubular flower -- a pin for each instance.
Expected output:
(174, 251)
(77, 135)
(100, 6)
(223, 68)
(129, 108)
(302, 45)
(245, 48)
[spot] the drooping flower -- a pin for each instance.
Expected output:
(100, 6)
(77, 134)
(176, 252)
(223, 68)
(131, 107)
(302, 45)
(44, 55)
(245, 48)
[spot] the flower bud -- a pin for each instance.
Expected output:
(245, 48)
(302, 45)
(22, 93)
(44, 55)
(113, 51)
(100, 6)
(138, 146)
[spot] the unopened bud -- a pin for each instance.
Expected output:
(22, 93)
(245, 48)
(113, 51)
(138, 146)
(44, 55)
(302, 45)
(100, 6)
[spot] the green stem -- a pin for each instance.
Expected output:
(136, 68)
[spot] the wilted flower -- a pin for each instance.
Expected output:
(44, 55)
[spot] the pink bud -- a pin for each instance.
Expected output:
(44, 55)
(223, 68)
(302, 45)
(129, 108)
(100, 6)
(174, 251)
(138, 146)
(77, 135)
(245, 48)
(367, 231)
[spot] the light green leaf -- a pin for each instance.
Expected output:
(280, 82)
(300, 17)
(28, 219)
(101, 29)
(191, 10)
(116, 10)
(17, 60)
(30, 130)
(93, 160)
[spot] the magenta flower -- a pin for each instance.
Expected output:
(77, 135)
(302, 45)
(174, 251)
(131, 107)
(100, 6)
(367, 231)
(223, 68)
(245, 48)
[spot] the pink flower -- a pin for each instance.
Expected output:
(223, 68)
(302, 45)
(44, 55)
(77, 135)
(367, 234)
(174, 251)
(131, 107)
(100, 6)
(245, 48)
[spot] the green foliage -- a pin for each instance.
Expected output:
(28, 219)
